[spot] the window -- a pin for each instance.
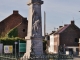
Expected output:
(76, 40)
(23, 30)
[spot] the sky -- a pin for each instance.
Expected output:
(58, 12)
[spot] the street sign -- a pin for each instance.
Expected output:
(22, 47)
(8, 49)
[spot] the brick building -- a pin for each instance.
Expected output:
(67, 35)
(12, 21)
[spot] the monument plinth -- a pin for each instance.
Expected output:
(34, 37)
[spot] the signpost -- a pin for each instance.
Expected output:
(15, 48)
(22, 47)
(8, 49)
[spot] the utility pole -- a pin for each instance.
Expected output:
(44, 23)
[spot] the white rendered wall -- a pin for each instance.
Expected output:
(51, 47)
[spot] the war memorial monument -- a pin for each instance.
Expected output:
(34, 37)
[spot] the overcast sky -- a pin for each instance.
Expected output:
(58, 12)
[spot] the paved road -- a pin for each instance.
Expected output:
(76, 58)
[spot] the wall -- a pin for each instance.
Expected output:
(56, 43)
(68, 37)
(12, 21)
(22, 29)
(51, 46)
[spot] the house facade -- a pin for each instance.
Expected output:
(13, 20)
(67, 36)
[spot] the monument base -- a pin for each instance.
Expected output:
(34, 46)
(37, 46)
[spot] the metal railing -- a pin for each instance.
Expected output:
(41, 57)
(50, 57)
(9, 57)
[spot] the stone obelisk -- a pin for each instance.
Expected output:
(34, 36)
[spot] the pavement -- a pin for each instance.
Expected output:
(76, 58)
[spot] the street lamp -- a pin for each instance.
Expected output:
(15, 48)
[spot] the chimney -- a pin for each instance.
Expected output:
(65, 24)
(25, 18)
(60, 26)
(53, 31)
(15, 11)
(72, 22)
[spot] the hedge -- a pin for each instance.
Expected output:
(10, 41)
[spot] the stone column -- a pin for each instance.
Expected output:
(34, 37)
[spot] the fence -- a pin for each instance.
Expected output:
(50, 57)
(10, 56)
(7, 57)
(42, 57)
